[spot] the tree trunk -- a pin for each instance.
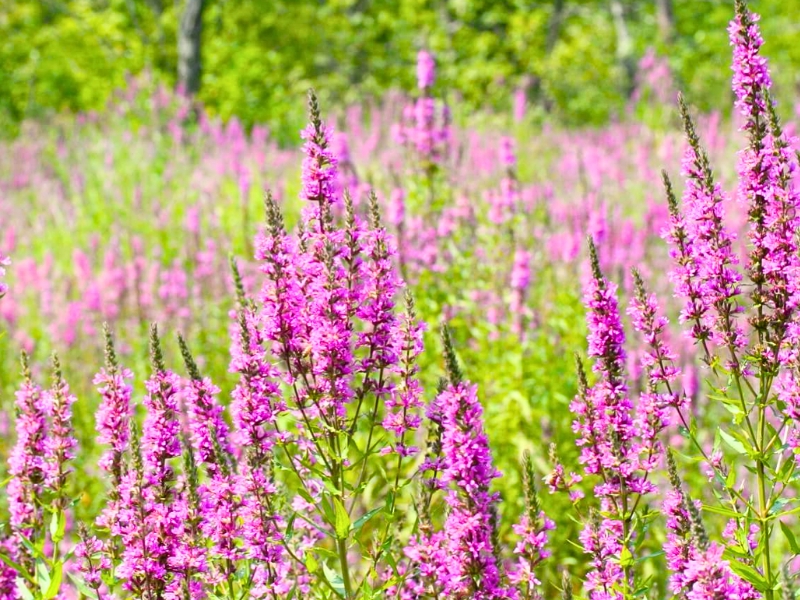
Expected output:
(554, 25)
(533, 85)
(625, 55)
(665, 17)
(189, 34)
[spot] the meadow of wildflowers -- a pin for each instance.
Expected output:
(423, 357)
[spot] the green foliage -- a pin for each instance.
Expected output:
(259, 55)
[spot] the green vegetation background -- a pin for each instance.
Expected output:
(259, 56)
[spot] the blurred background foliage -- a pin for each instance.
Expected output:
(576, 59)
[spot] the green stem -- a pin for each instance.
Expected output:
(625, 539)
(341, 546)
(763, 502)
(337, 477)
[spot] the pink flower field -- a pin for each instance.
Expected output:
(424, 353)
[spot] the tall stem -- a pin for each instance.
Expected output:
(341, 546)
(763, 500)
(337, 476)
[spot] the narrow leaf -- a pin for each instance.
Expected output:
(342, 524)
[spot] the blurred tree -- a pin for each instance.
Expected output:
(554, 25)
(666, 20)
(259, 56)
(189, 38)
(625, 55)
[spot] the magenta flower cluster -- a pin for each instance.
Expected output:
(328, 468)
(742, 320)
(425, 126)
(4, 262)
(328, 393)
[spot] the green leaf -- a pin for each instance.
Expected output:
(721, 510)
(790, 537)
(35, 551)
(334, 491)
(17, 567)
(322, 551)
(389, 502)
(750, 574)
(738, 551)
(328, 511)
(730, 480)
(84, 589)
(364, 518)
(55, 582)
(290, 527)
(311, 563)
(778, 505)
(42, 575)
(786, 470)
(367, 593)
(650, 556)
(23, 590)
(58, 524)
(732, 405)
(342, 523)
(305, 495)
(389, 558)
(734, 444)
(334, 579)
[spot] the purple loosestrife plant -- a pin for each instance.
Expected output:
(473, 566)
(682, 529)
(38, 493)
(319, 174)
(207, 426)
(327, 330)
(463, 558)
(113, 423)
(505, 204)
(684, 272)
(618, 440)
(218, 497)
(765, 184)
(698, 570)
(754, 370)
(26, 463)
(60, 444)
(190, 559)
(425, 127)
(150, 518)
(307, 490)
(94, 563)
(658, 400)
(532, 531)
(426, 70)
(257, 403)
(8, 574)
(160, 443)
(425, 574)
(102, 552)
(60, 450)
(711, 246)
(4, 262)
(519, 282)
(403, 406)
(131, 528)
